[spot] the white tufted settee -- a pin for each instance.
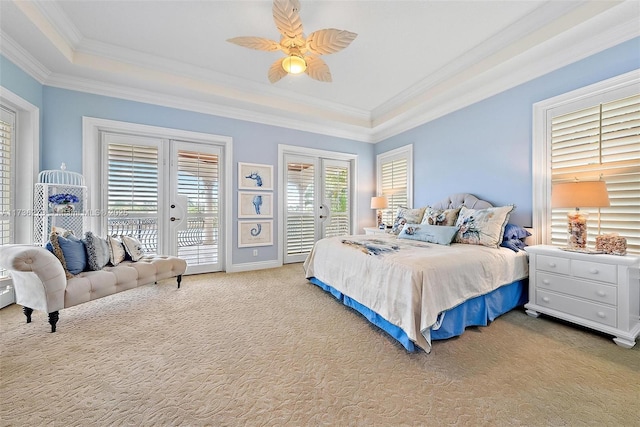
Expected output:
(40, 281)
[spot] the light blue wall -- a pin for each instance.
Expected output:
(252, 143)
(485, 149)
(21, 84)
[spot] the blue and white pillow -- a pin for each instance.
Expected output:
(406, 216)
(482, 226)
(440, 234)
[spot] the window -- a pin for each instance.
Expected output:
(589, 137)
(7, 180)
(395, 178)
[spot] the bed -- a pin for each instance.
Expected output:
(420, 291)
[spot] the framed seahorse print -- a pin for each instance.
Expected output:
(253, 176)
(253, 204)
(255, 233)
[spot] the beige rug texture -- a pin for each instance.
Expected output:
(268, 348)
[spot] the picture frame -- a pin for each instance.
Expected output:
(255, 233)
(254, 176)
(252, 204)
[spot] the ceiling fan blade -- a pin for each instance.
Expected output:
(287, 18)
(317, 69)
(324, 42)
(276, 72)
(257, 43)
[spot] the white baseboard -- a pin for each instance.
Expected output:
(250, 266)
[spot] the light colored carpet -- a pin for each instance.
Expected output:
(270, 349)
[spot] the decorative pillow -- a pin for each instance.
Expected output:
(116, 250)
(513, 244)
(133, 247)
(440, 234)
(512, 231)
(70, 251)
(97, 251)
(406, 216)
(482, 226)
(446, 217)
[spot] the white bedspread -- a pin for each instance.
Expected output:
(409, 283)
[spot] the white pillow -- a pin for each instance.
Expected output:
(116, 250)
(482, 226)
(133, 247)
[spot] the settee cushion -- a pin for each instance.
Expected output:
(97, 251)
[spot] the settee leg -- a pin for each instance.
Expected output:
(179, 279)
(27, 312)
(53, 319)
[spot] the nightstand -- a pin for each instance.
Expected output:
(601, 292)
(374, 230)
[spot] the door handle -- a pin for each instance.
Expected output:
(173, 218)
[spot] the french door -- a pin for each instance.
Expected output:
(318, 202)
(167, 194)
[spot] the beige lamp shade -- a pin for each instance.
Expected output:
(587, 194)
(379, 202)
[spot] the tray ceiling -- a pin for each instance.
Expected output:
(412, 61)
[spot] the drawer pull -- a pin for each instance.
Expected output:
(593, 271)
(545, 299)
(546, 281)
(601, 293)
(601, 315)
(552, 264)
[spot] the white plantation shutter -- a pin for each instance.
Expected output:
(395, 176)
(300, 216)
(601, 141)
(336, 195)
(7, 183)
(133, 178)
(199, 179)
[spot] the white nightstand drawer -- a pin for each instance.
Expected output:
(593, 291)
(587, 310)
(554, 264)
(594, 271)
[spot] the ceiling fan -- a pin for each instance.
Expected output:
(302, 54)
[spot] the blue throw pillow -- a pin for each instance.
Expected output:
(513, 244)
(73, 252)
(440, 234)
(512, 231)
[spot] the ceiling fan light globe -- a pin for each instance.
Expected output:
(294, 64)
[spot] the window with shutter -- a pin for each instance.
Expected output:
(601, 142)
(590, 136)
(301, 234)
(7, 136)
(395, 176)
(132, 182)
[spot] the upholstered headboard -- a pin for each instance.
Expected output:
(460, 199)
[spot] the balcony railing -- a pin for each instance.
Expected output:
(146, 231)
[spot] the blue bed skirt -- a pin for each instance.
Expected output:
(478, 311)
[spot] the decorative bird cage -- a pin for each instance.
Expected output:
(59, 200)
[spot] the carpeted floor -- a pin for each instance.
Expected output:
(269, 349)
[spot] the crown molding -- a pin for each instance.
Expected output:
(218, 108)
(476, 76)
(481, 52)
(620, 25)
(23, 59)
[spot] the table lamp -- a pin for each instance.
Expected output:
(379, 202)
(578, 194)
